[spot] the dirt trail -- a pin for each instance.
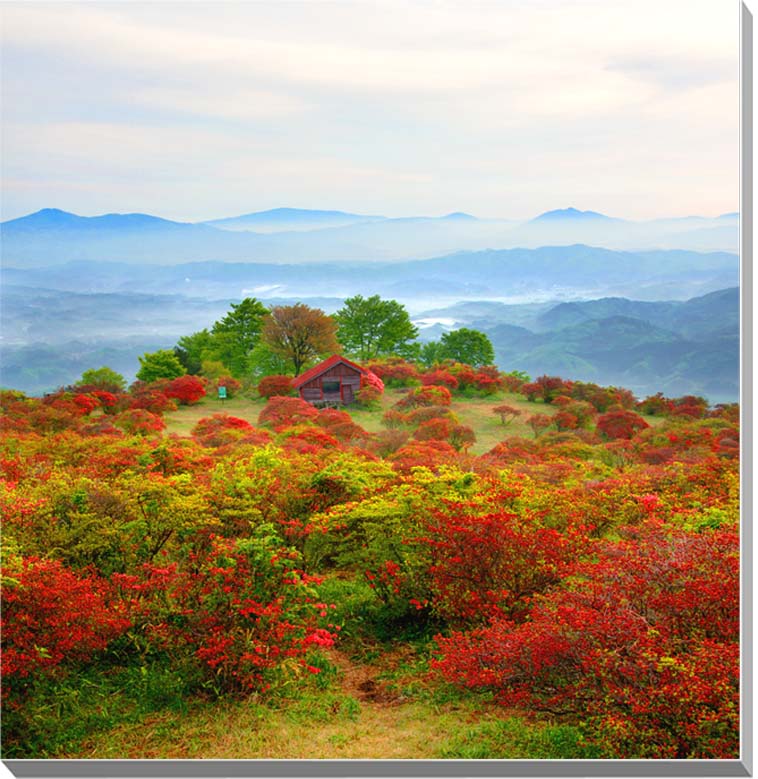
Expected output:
(361, 681)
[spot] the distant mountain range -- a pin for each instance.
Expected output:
(54, 237)
(290, 219)
(510, 275)
(562, 214)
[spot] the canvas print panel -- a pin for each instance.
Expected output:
(370, 380)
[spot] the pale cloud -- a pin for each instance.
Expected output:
(675, 73)
(224, 102)
(498, 108)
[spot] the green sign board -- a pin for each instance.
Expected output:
(222, 393)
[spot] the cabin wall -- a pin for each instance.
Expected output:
(313, 391)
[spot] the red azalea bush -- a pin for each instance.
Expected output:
(440, 378)
(368, 397)
(370, 379)
(564, 420)
(436, 429)
(429, 395)
(138, 421)
(620, 424)
(101, 426)
(539, 423)
(462, 437)
(463, 373)
(150, 397)
(395, 372)
(52, 616)
(340, 424)
(108, 400)
(275, 385)
(486, 384)
(690, 406)
(371, 390)
(281, 412)
(242, 608)
(643, 641)
(220, 430)
(491, 565)
(547, 388)
(425, 413)
(87, 403)
(512, 383)
(187, 390)
(514, 450)
(506, 413)
(430, 454)
(306, 439)
(65, 403)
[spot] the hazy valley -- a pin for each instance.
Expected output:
(79, 291)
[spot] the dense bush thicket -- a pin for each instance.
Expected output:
(589, 571)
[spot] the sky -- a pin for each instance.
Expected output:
(505, 108)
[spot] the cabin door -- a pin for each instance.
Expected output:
(347, 393)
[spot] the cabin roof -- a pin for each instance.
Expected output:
(322, 367)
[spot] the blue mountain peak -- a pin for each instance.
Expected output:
(569, 213)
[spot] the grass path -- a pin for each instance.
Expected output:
(364, 713)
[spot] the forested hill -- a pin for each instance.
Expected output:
(677, 347)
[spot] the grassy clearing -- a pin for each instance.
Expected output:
(476, 412)
(473, 411)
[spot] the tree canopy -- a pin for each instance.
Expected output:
(300, 334)
(162, 364)
(235, 336)
(467, 346)
(244, 322)
(371, 327)
(105, 378)
(431, 353)
(192, 349)
(231, 340)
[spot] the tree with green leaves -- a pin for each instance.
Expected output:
(467, 346)
(264, 361)
(244, 322)
(300, 334)
(162, 364)
(371, 327)
(192, 349)
(236, 335)
(104, 378)
(230, 341)
(431, 353)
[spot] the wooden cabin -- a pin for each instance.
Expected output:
(333, 381)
